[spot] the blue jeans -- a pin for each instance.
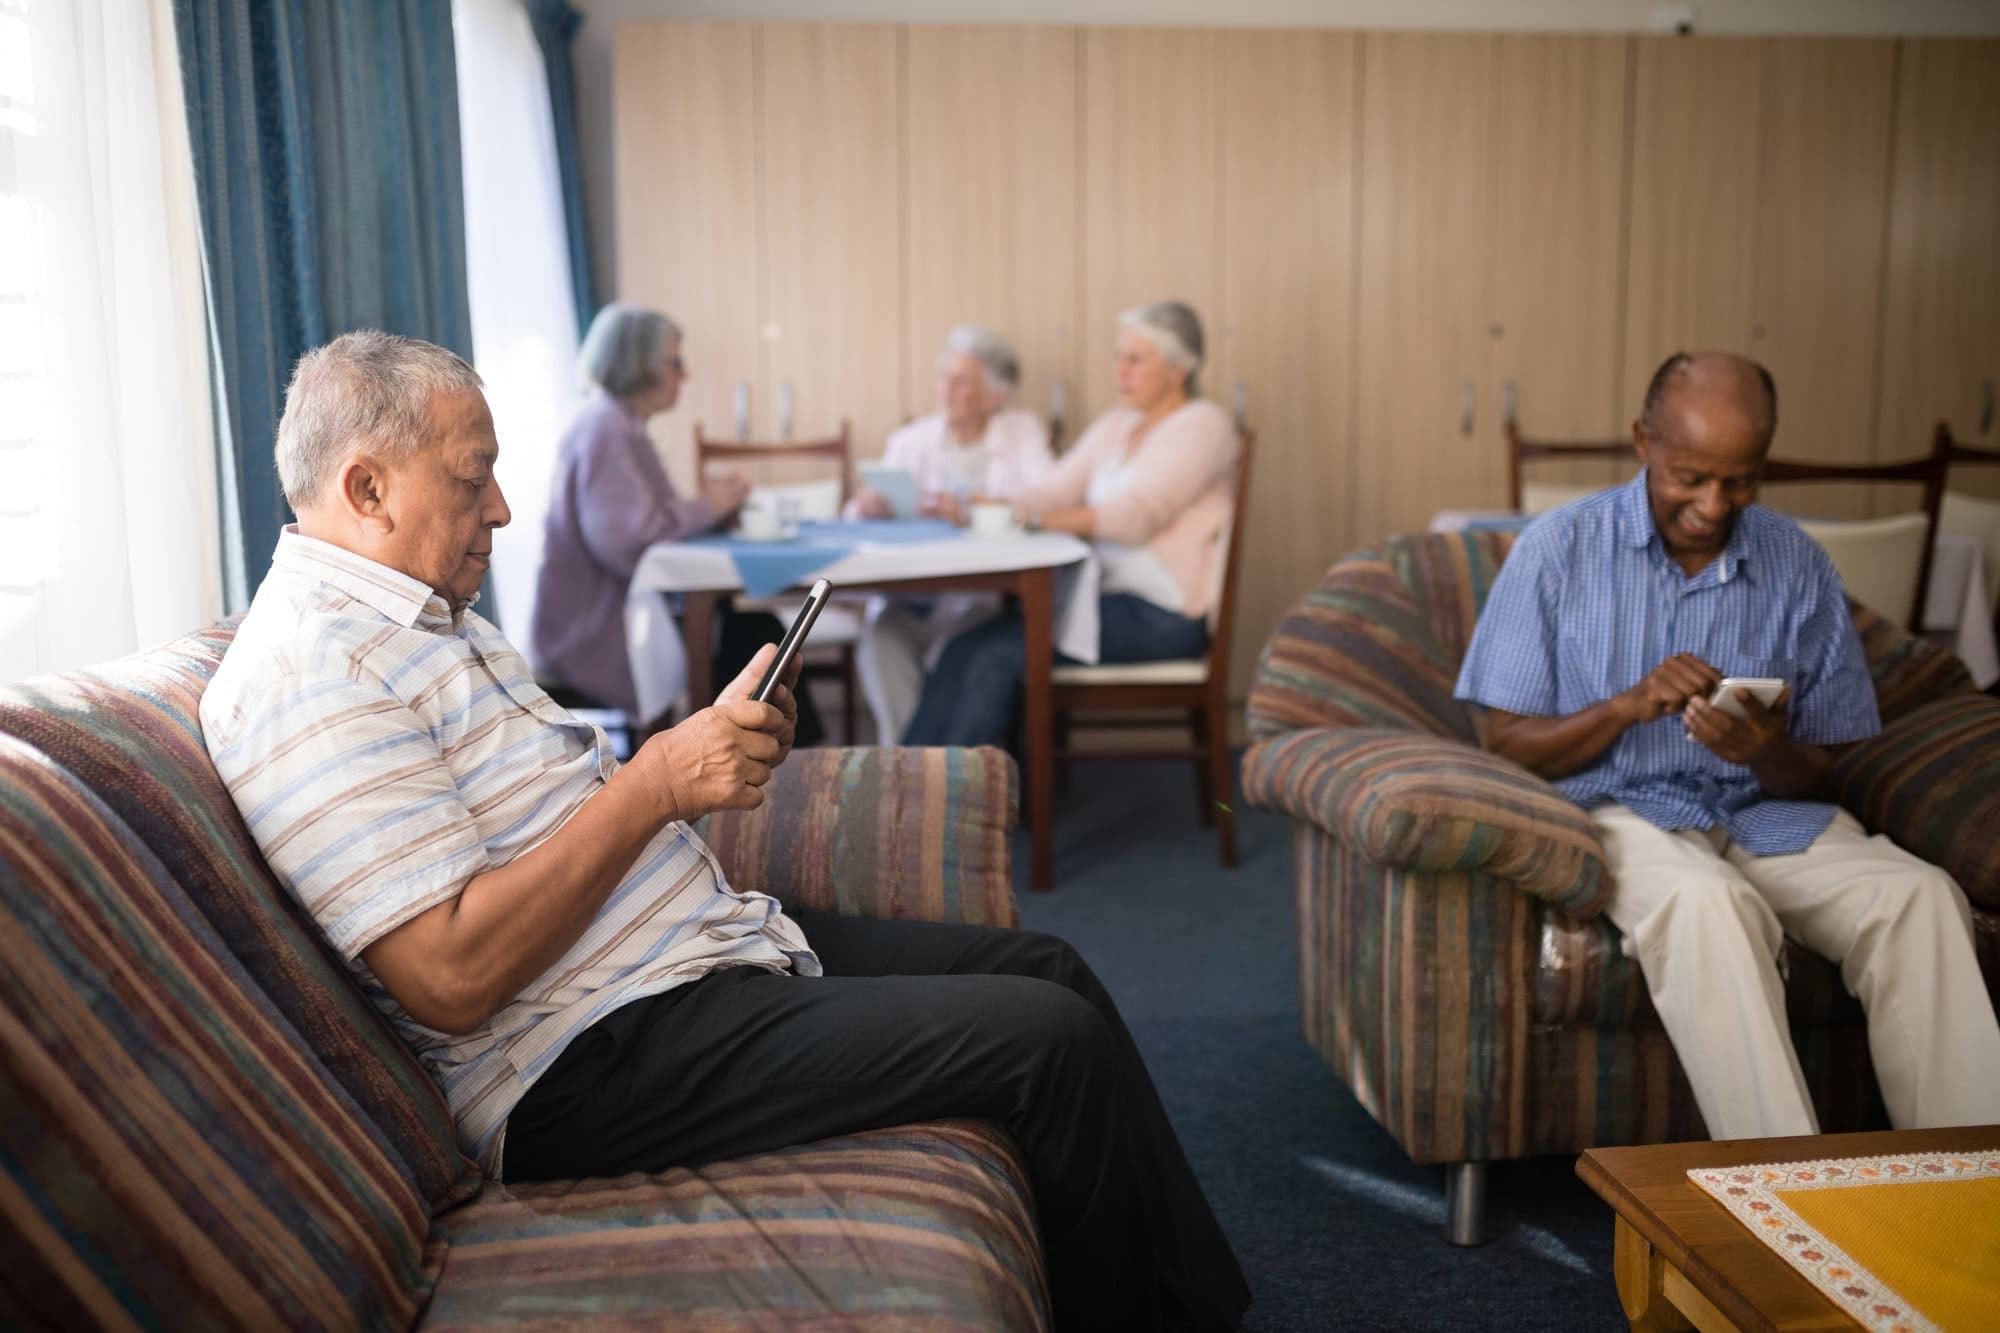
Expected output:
(971, 695)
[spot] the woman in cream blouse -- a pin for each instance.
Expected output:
(1151, 485)
(973, 447)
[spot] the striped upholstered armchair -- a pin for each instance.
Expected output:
(1454, 966)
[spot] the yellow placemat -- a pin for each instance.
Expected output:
(1903, 1244)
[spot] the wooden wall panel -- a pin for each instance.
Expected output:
(1285, 325)
(1941, 319)
(686, 153)
(990, 124)
(1822, 227)
(1690, 261)
(832, 220)
(1558, 164)
(1424, 244)
(1152, 125)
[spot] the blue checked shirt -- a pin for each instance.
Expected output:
(1589, 602)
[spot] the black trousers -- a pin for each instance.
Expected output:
(912, 1021)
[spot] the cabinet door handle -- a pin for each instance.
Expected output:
(1986, 406)
(1240, 403)
(785, 410)
(1465, 409)
(1509, 405)
(1058, 410)
(742, 409)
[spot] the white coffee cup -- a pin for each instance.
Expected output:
(992, 519)
(758, 523)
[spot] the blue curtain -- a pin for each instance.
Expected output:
(325, 138)
(555, 23)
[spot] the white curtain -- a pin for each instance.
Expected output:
(107, 519)
(524, 337)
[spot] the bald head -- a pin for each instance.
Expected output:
(1720, 389)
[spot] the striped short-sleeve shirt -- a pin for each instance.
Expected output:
(1589, 601)
(384, 752)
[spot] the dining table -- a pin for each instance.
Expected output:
(1050, 576)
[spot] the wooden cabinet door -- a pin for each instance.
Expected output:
(1422, 299)
(1558, 164)
(1284, 328)
(1151, 213)
(686, 153)
(991, 170)
(1822, 221)
(1941, 325)
(1691, 255)
(832, 223)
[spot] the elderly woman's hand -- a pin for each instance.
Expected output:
(871, 503)
(726, 493)
(946, 506)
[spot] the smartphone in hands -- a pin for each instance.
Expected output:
(795, 638)
(1764, 689)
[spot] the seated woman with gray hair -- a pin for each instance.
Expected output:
(611, 499)
(1151, 485)
(974, 447)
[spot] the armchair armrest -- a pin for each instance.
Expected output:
(1931, 782)
(1421, 802)
(920, 834)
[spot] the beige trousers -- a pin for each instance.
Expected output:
(1705, 919)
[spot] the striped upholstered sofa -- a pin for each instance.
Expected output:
(204, 1125)
(1455, 968)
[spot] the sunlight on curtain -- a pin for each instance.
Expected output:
(107, 523)
(517, 272)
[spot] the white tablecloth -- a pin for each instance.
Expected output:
(659, 660)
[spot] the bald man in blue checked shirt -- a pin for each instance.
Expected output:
(1608, 629)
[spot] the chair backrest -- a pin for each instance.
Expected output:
(1535, 497)
(1905, 599)
(835, 449)
(1967, 515)
(1222, 606)
(1877, 558)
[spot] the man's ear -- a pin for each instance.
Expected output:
(362, 483)
(1640, 440)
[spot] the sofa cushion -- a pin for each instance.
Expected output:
(1906, 670)
(1931, 781)
(174, 1155)
(907, 833)
(130, 732)
(1419, 802)
(925, 1227)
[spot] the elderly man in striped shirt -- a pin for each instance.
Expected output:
(545, 929)
(1607, 631)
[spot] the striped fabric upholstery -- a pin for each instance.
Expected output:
(1477, 1021)
(1419, 802)
(927, 1227)
(128, 730)
(173, 1154)
(919, 833)
(1932, 783)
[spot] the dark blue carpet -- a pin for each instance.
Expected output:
(1334, 1227)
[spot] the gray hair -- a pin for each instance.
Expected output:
(622, 352)
(366, 387)
(994, 354)
(1174, 328)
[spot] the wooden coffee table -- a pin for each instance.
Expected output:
(1682, 1261)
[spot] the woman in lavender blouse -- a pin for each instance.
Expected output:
(610, 500)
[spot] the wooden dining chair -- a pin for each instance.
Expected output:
(1198, 687)
(837, 633)
(1885, 562)
(1967, 515)
(1531, 497)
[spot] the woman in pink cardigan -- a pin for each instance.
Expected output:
(1151, 485)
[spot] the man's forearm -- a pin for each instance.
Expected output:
(1793, 770)
(1555, 747)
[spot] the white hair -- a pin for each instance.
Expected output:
(1175, 329)
(622, 352)
(994, 354)
(366, 387)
